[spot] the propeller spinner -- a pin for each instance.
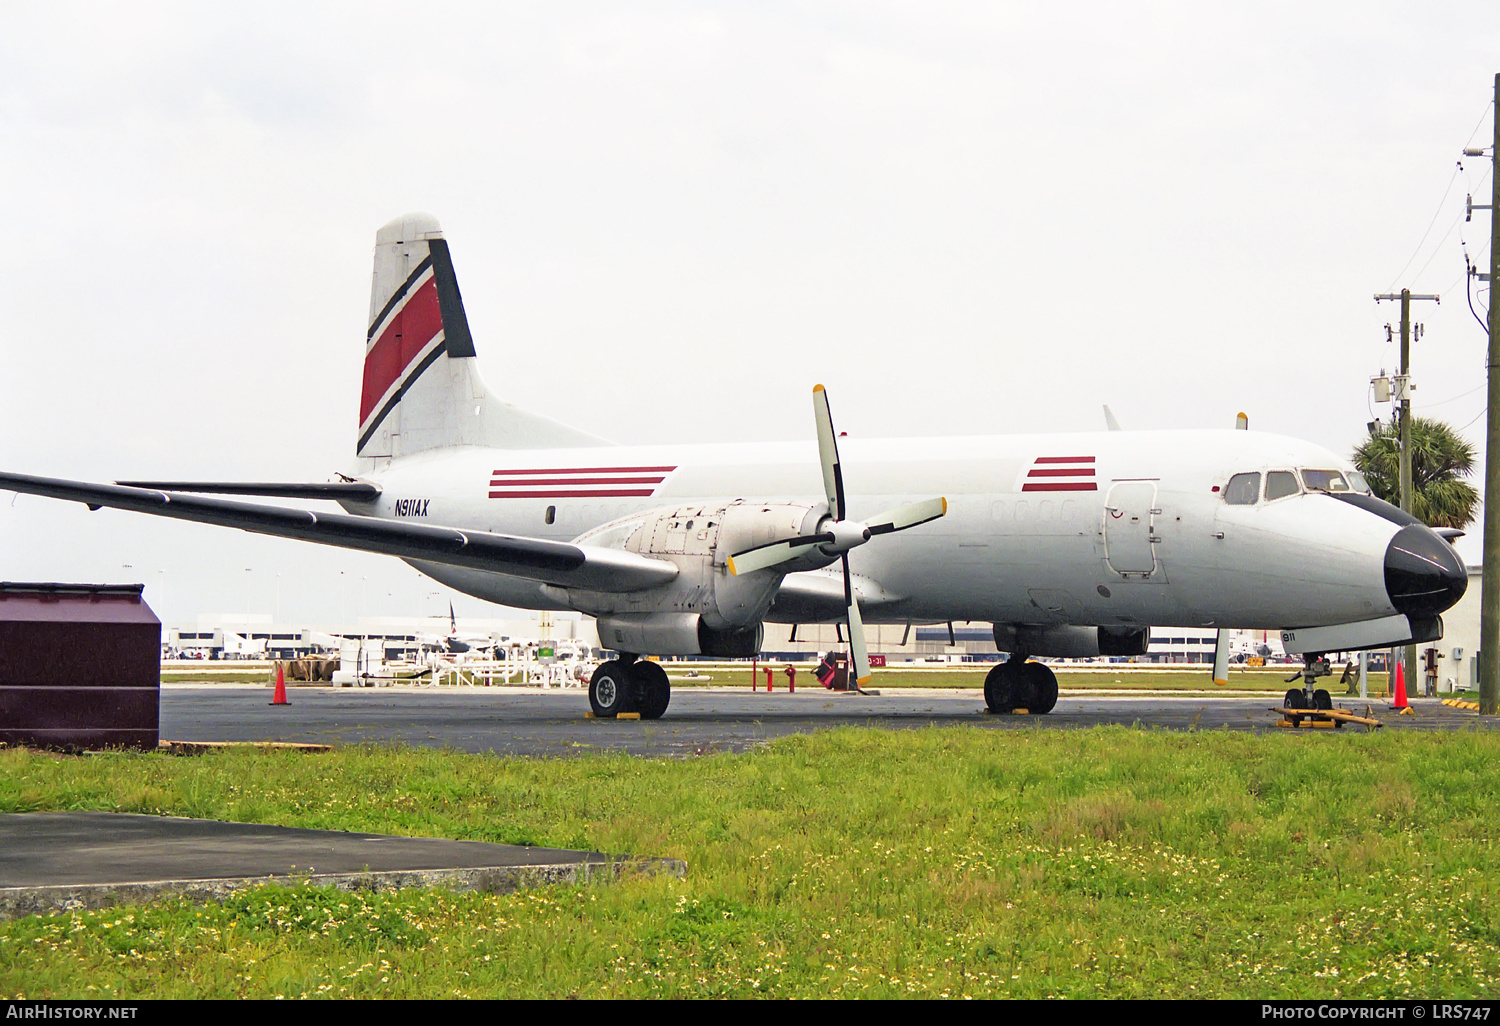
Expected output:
(836, 534)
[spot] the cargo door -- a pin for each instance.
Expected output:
(1130, 527)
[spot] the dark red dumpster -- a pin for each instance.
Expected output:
(80, 666)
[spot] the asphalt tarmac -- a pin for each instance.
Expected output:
(534, 722)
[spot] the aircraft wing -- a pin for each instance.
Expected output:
(560, 563)
(362, 490)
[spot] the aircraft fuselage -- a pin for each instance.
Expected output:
(1110, 528)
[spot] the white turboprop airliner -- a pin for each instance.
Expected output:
(1070, 544)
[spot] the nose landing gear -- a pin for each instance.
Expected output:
(1314, 665)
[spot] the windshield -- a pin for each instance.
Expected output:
(1324, 481)
(1242, 490)
(1281, 483)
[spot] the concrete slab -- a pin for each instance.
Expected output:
(51, 861)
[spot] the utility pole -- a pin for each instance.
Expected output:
(1404, 386)
(1402, 393)
(1489, 600)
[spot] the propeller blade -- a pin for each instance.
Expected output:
(828, 453)
(910, 515)
(773, 553)
(859, 656)
(1221, 658)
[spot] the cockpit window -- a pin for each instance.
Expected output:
(1281, 483)
(1358, 483)
(1242, 490)
(1324, 481)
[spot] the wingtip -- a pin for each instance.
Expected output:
(945, 504)
(862, 681)
(732, 571)
(817, 388)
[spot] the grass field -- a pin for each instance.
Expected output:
(955, 862)
(216, 676)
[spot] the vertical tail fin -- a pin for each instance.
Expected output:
(421, 388)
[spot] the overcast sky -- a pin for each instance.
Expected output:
(670, 219)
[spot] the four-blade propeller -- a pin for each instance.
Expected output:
(836, 534)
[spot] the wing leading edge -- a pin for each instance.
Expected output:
(357, 490)
(536, 559)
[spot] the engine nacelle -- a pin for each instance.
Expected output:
(676, 634)
(699, 540)
(1069, 642)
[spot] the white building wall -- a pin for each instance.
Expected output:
(1460, 645)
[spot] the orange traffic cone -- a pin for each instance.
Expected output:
(1401, 702)
(279, 698)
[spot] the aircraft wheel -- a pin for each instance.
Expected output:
(1322, 699)
(652, 689)
(1041, 688)
(1296, 698)
(610, 689)
(999, 689)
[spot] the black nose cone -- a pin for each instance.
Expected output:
(1423, 575)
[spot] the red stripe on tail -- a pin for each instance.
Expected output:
(405, 336)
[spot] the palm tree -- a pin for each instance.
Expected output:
(1439, 459)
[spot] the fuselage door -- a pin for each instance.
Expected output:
(1130, 527)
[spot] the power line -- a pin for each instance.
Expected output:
(1457, 170)
(1480, 123)
(1438, 248)
(1453, 397)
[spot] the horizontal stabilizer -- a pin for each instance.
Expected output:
(534, 559)
(362, 491)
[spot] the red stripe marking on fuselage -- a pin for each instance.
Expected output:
(1061, 472)
(1065, 459)
(587, 494)
(523, 482)
(406, 334)
(1060, 486)
(583, 470)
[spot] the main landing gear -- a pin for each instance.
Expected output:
(1018, 684)
(629, 685)
(1314, 665)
